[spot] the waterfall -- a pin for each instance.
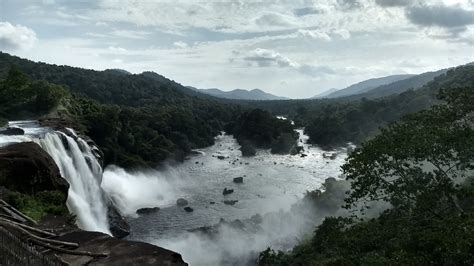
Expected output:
(77, 164)
(80, 168)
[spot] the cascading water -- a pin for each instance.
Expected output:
(83, 172)
(78, 165)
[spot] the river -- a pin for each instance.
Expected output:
(271, 184)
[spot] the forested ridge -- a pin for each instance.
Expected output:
(143, 119)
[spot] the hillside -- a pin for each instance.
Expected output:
(400, 86)
(138, 120)
(324, 94)
(239, 94)
(109, 86)
(367, 85)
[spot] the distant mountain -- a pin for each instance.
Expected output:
(367, 85)
(324, 93)
(239, 94)
(400, 86)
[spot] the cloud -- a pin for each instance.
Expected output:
(316, 71)
(440, 15)
(131, 34)
(393, 3)
(314, 34)
(349, 5)
(342, 33)
(116, 50)
(266, 58)
(274, 19)
(305, 11)
(180, 44)
(16, 37)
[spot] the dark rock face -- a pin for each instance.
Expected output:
(238, 180)
(148, 210)
(27, 168)
(120, 252)
(181, 202)
(227, 191)
(117, 224)
(10, 131)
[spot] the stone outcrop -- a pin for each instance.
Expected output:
(118, 226)
(119, 252)
(27, 168)
(238, 180)
(11, 131)
(148, 210)
(227, 191)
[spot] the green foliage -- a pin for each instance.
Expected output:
(39, 205)
(21, 97)
(422, 157)
(422, 166)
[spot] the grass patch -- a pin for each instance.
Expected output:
(38, 206)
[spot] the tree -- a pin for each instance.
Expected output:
(417, 160)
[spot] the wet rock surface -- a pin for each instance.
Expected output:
(119, 252)
(238, 180)
(11, 131)
(148, 210)
(27, 168)
(227, 191)
(118, 226)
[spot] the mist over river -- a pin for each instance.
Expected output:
(271, 185)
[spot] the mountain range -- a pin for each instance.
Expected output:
(239, 94)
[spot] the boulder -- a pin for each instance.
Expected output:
(181, 202)
(188, 209)
(220, 157)
(25, 167)
(230, 202)
(227, 191)
(117, 224)
(11, 131)
(120, 252)
(238, 180)
(148, 210)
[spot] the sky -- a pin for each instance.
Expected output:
(292, 48)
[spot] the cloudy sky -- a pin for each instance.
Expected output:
(294, 48)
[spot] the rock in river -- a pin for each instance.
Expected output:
(238, 180)
(227, 191)
(230, 202)
(181, 202)
(147, 210)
